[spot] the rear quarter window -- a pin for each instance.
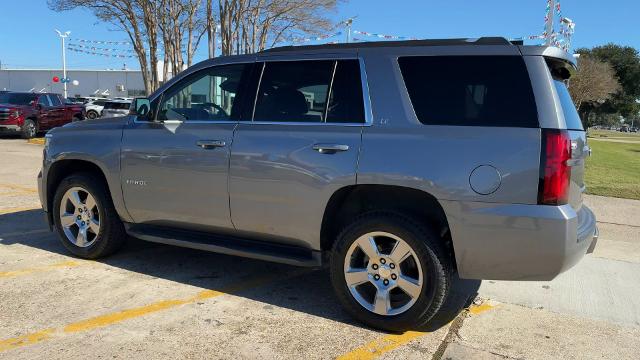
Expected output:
(470, 90)
(571, 116)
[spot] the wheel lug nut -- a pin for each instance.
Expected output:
(80, 210)
(374, 266)
(83, 223)
(386, 282)
(392, 265)
(382, 261)
(394, 276)
(376, 276)
(79, 217)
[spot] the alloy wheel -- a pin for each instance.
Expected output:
(80, 217)
(383, 273)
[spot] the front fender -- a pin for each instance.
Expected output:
(77, 148)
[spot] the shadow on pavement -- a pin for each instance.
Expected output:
(310, 291)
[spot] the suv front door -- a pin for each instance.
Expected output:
(175, 169)
(300, 144)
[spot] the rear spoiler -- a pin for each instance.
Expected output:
(561, 63)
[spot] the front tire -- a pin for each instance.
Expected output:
(389, 271)
(85, 218)
(29, 129)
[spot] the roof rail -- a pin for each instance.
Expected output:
(375, 44)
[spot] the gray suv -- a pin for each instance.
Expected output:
(397, 164)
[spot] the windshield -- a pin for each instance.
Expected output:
(571, 116)
(17, 99)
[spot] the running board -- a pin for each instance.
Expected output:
(228, 245)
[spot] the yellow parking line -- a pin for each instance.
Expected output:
(21, 188)
(390, 342)
(60, 265)
(36, 141)
(18, 209)
(25, 340)
(120, 316)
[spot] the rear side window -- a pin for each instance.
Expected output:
(571, 116)
(314, 91)
(470, 90)
(55, 100)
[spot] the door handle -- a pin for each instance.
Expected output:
(211, 144)
(330, 148)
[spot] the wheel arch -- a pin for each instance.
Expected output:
(60, 169)
(350, 201)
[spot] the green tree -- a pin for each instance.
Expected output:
(625, 62)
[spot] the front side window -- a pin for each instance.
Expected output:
(208, 95)
(314, 91)
(470, 90)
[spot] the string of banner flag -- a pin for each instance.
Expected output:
(123, 56)
(105, 42)
(383, 36)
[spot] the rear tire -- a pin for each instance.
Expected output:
(29, 129)
(427, 267)
(82, 204)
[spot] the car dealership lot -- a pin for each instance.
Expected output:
(155, 301)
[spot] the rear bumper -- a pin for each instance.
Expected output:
(518, 242)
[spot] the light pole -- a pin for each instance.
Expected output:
(64, 60)
(349, 22)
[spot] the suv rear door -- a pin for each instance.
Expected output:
(299, 145)
(175, 169)
(57, 112)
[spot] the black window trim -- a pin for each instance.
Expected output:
(366, 100)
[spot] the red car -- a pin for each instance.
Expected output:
(30, 113)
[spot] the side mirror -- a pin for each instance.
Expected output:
(38, 107)
(140, 107)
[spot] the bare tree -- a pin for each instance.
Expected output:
(249, 26)
(173, 29)
(594, 82)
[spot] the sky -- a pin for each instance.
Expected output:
(29, 41)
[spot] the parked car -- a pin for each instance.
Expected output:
(399, 164)
(93, 109)
(30, 113)
(115, 108)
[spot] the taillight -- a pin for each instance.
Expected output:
(555, 173)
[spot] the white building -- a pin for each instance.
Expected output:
(102, 83)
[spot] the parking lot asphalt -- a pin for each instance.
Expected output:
(154, 301)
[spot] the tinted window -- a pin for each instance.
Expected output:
(294, 91)
(44, 100)
(299, 91)
(55, 100)
(470, 90)
(345, 103)
(208, 95)
(117, 105)
(17, 99)
(571, 116)
(99, 102)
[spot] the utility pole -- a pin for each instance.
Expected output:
(548, 28)
(64, 60)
